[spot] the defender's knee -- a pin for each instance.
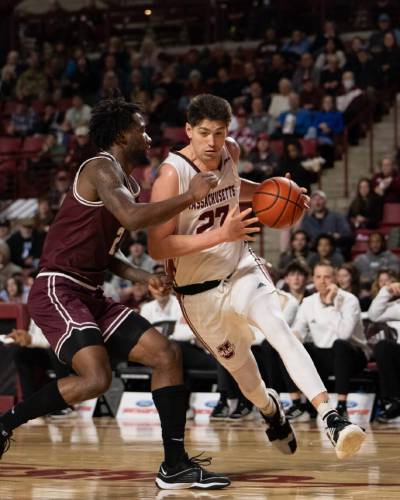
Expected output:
(170, 357)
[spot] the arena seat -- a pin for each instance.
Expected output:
(9, 107)
(391, 214)
(309, 147)
(10, 145)
(32, 143)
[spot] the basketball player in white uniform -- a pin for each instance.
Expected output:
(223, 287)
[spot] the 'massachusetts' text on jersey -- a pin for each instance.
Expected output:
(84, 235)
(209, 213)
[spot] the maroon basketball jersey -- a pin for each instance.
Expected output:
(84, 235)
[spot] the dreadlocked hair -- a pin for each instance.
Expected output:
(110, 118)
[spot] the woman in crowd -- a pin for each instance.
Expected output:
(14, 291)
(365, 210)
(386, 182)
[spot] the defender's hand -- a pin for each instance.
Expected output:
(159, 285)
(394, 289)
(201, 184)
(21, 337)
(237, 227)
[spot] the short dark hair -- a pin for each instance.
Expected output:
(208, 107)
(325, 236)
(110, 118)
(296, 267)
(299, 231)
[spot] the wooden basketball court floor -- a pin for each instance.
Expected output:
(103, 459)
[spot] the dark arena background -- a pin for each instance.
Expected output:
(314, 91)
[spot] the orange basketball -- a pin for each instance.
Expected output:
(278, 203)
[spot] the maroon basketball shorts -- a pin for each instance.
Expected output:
(74, 315)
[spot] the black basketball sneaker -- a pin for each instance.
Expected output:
(346, 437)
(189, 473)
(279, 431)
(5, 439)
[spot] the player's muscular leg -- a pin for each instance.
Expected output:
(162, 355)
(93, 375)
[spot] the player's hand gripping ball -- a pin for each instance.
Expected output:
(279, 202)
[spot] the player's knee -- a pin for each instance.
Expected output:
(170, 357)
(97, 384)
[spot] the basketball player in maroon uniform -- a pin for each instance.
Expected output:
(67, 302)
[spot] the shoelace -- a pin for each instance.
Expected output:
(196, 460)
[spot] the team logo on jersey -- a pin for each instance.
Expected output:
(226, 350)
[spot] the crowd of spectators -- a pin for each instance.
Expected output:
(283, 94)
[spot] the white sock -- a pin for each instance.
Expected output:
(324, 408)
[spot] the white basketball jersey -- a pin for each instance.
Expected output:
(221, 260)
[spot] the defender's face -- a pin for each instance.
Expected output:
(207, 139)
(137, 140)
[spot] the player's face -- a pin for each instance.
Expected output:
(323, 277)
(207, 139)
(137, 140)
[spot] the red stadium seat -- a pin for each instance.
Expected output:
(176, 135)
(10, 145)
(33, 143)
(10, 107)
(391, 214)
(277, 147)
(38, 106)
(309, 147)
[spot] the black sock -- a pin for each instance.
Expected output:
(223, 397)
(342, 404)
(171, 405)
(296, 402)
(46, 400)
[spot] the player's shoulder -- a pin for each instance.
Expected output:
(233, 148)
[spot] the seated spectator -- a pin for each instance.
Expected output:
(386, 182)
(44, 216)
(8, 80)
(305, 71)
(296, 46)
(278, 69)
(385, 311)
(51, 121)
(280, 102)
(331, 76)
(264, 161)
(5, 230)
(351, 101)
(356, 45)
(242, 134)
(32, 82)
(138, 255)
(62, 183)
(14, 291)
(377, 37)
(329, 124)
(299, 250)
(332, 319)
(259, 120)
(383, 278)
(310, 95)
(389, 61)
(268, 46)
(78, 114)
(7, 268)
(320, 220)
(377, 256)
(26, 244)
(40, 164)
(326, 252)
(225, 86)
(296, 121)
(31, 353)
(296, 277)
(291, 163)
(24, 119)
(81, 150)
(348, 279)
(329, 32)
(366, 71)
(330, 48)
(83, 81)
(365, 210)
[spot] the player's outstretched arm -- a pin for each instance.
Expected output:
(108, 182)
(163, 243)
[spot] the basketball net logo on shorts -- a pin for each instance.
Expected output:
(226, 350)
